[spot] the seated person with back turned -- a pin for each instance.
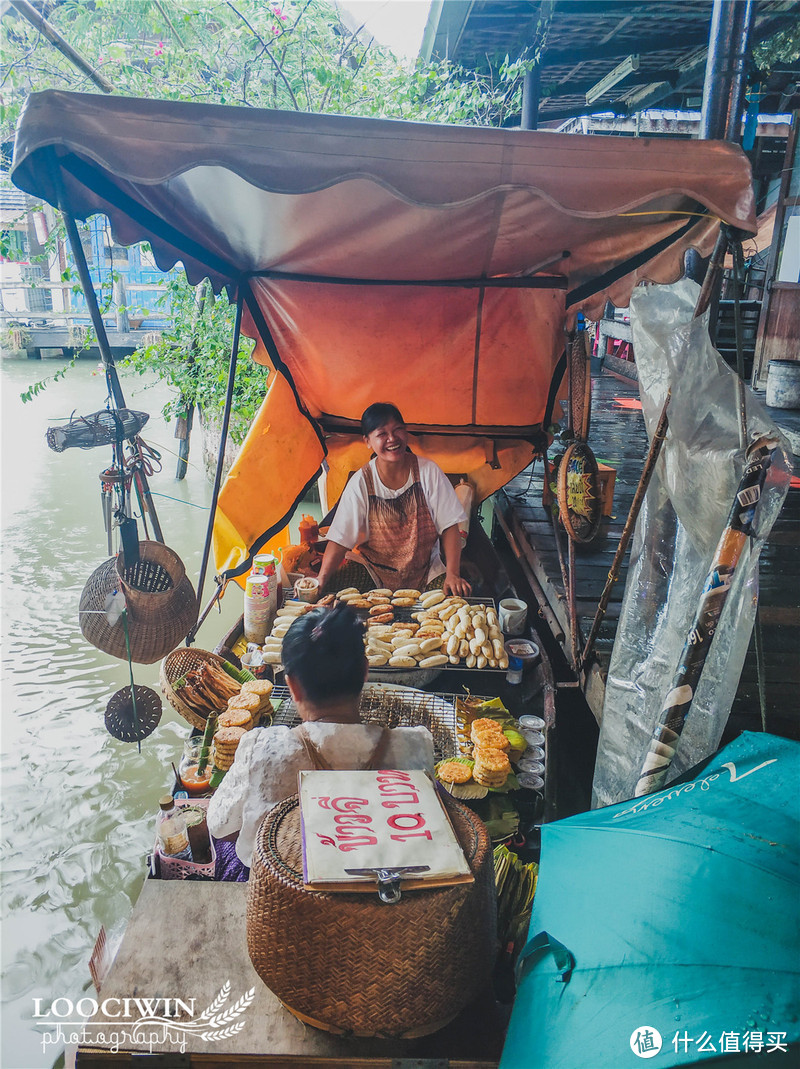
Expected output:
(325, 667)
(395, 510)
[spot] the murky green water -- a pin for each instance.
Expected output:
(78, 806)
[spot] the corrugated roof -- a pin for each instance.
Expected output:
(585, 39)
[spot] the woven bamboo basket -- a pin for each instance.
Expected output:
(175, 666)
(160, 602)
(349, 964)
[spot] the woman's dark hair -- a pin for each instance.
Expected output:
(324, 651)
(377, 415)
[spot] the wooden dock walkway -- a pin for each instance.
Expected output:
(618, 438)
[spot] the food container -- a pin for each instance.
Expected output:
(535, 723)
(307, 589)
(533, 738)
(532, 781)
(534, 765)
(524, 649)
(534, 753)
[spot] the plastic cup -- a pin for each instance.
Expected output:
(533, 765)
(533, 738)
(531, 781)
(535, 723)
(307, 589)
(534, 753)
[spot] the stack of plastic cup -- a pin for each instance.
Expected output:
(259, 607)
(531, 764)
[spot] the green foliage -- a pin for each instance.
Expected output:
(193, 355)
(782, 48)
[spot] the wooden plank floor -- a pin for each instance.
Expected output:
(618, 437)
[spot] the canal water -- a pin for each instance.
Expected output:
(78, 807)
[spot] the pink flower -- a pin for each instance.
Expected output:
(276, 30)
(159, 49)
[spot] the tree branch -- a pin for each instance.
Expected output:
(169, 23)
(270, 56)
(29, 12)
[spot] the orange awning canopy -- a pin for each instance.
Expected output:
(432, 266)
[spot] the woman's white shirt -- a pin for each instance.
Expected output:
(350, 526)
(267, 761)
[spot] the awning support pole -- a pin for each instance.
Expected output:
(110, 367)
(726, 69)
(226, 419)
(529, 120)
(657, 441)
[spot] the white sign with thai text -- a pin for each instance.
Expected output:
(377, 819)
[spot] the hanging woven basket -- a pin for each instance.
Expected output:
(378, 970)
(161, 606)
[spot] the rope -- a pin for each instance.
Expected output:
(205, 508)
(148, 457)
(130, 671)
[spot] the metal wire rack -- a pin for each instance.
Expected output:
(394, 706)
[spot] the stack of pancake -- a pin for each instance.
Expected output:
(244, 712)
(490, 753)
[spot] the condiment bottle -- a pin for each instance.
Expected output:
(309, 529)
(199, 839)
(173, 838)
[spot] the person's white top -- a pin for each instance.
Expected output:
(267, 761)
(350, 526)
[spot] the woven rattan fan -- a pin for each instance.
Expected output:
(132, 723)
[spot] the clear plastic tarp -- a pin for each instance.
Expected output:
(683, 515)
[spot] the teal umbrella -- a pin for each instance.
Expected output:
(665, 928)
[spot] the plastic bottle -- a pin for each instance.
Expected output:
(309, 530)
(173, 838)
(514, 672)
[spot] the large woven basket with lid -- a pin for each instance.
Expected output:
(160, 603)
(347, 963)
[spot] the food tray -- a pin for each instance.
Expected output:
(420, 677)
(395, 706)
(411, 677)
(175, 666)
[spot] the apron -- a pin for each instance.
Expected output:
(402, 535)
(321, 765)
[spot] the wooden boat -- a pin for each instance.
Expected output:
(435, 266)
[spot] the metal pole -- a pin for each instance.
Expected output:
(529, 120)
(112, 378)
(726, 68)
(226, 418)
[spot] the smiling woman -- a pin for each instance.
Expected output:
(395, 511)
